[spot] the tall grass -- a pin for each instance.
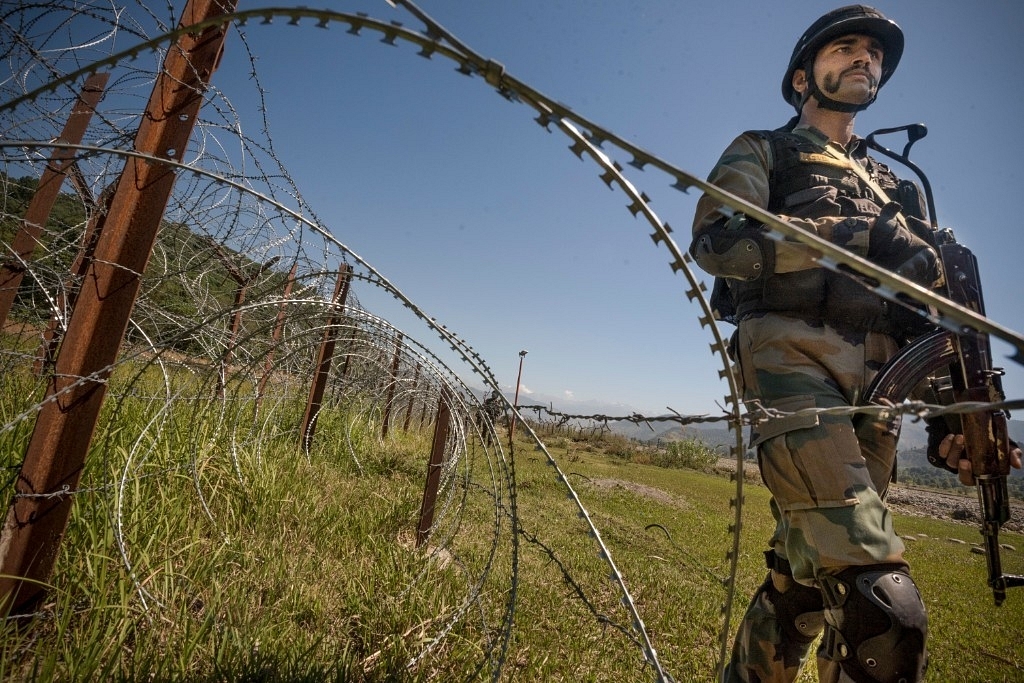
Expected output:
(199, 553)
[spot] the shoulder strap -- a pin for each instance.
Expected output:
(773, 138)
(869, 181)
(861, 173)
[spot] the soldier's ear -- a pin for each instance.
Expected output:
(799, 81)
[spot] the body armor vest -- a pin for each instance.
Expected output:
(806, 182)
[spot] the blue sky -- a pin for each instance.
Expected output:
(491, 225)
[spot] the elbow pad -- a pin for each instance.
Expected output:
(738, 254)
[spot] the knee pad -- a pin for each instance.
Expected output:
(877, 624)
(799, 609)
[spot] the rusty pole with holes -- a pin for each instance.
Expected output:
(433, 483)
(325, 356)
(275, 339)
(39, 512)
(515, 401)
(392, 385)
(47, 351)
(12, 270)
(243, 281)
(412, 397)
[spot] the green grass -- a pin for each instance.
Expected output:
(220, 561)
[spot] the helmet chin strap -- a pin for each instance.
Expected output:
(826, 102)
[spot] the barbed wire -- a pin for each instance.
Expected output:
(234, 210)
(206, 353)
(919, 410)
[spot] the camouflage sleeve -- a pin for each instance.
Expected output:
(743, 170)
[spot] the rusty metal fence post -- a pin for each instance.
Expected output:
(423, 416)
(242, 282)
(392, 385)
(38, 212)
(275, 338)
(47, 351)
(325, 355)
(515, 401)
(412, 398)
(39, 512)
(434, 469)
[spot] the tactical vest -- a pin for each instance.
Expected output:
(801, 180)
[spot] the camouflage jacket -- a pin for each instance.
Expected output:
(811, 182)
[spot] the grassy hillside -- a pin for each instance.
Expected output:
(305, 569)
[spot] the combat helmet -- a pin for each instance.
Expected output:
(840, 22)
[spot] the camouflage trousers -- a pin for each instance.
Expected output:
(828, 476)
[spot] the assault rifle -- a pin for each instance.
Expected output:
(957, 367)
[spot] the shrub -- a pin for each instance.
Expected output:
(692, 454)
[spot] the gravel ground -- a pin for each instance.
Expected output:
(949, 506)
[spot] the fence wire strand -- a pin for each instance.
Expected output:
(237, 297)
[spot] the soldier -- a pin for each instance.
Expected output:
(808, 337)
(488, 414)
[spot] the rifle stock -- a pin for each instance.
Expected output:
(967, 358)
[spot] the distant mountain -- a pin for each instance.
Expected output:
(661, 431)
(1016, 429)
(561, 405)
(482, 394)
(712, 434)
(913, 436)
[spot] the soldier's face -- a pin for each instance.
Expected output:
(847, 69)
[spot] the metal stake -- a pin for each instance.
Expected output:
(12, 270)
(325, 356)
(38, 515)
(434, 469)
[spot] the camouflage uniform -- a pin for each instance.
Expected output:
(828, 474)
(487, 416)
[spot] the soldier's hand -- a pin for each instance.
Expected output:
(952, 449)
(886, 235)
(894, 246)
(924, 268)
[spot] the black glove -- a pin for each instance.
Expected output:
(923, 268)
(938, 430)
(893, 246)
(887, 235)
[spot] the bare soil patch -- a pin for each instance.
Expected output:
(644, 490)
